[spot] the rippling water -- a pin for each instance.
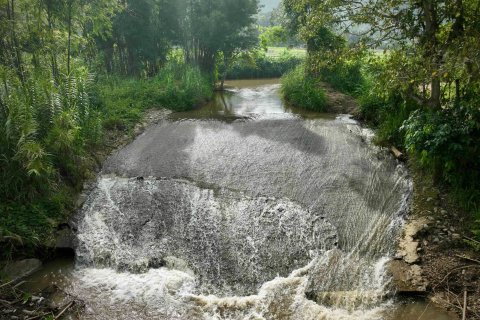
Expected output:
(243, 209)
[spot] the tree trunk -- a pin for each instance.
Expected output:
(18, 54)
(432, 51)
(435, 97)
(224, 75)
(69, 50)
(458, 95)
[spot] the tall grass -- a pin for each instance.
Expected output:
(46, 127)
(178, 87)
(301, 90)
(264, 66)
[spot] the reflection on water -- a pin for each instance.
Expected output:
(245, 99)
(242, 209)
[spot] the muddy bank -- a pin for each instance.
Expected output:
(338, 102)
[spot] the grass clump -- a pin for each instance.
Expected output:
(302, 90)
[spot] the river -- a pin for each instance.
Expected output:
(243, 209)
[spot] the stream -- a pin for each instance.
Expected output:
(242, 209)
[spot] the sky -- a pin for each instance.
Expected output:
(269, 4)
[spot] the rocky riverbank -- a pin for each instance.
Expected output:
(433, 257)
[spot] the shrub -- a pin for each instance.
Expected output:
(446, 142)
(301, 90)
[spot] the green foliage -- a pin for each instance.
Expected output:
(384, 109)
(447, 142)
(264, 66)
(213, 27)
(144, 32)
(302, 90)
(277, 36)
(345, 76)
(177, 87)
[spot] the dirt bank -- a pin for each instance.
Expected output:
(338, 102)
(434, 246)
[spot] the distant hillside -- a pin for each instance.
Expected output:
(269, 5)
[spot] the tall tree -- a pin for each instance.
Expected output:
(211, 27)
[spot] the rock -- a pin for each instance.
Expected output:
(407, 244)
(407, 279)
(64, 239)
(81, 200)
(17, 270)
(456, 236)
(443, 211)
(398, 256)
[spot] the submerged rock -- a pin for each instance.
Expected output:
(17, 270)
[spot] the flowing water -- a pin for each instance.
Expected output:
(243, 209)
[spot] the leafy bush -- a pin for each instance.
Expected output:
(380, 106)
(446, 141)
(301, 90)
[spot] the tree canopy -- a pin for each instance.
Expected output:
(434, 41)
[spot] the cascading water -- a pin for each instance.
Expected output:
(243, 209)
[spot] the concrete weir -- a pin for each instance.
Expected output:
(243, 209)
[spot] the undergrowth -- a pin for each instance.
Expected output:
(301, 90)
(50, 130)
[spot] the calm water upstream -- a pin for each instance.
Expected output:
(242, 209)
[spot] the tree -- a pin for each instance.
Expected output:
(428, 29)
(210, 27)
